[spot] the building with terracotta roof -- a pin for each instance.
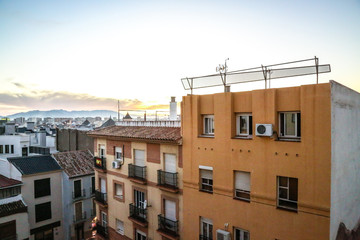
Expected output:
(78, 189)
(139, 182)
(14, 223)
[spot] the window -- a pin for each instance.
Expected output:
(206, 179)
(120, 226)
(290, 125)
(208, 124)
(287, 192)
(119, 190)
(42, 187)
(6, 148)
(42, 211)
(93, 185)
(45, 235)
(139, 235)
(206, 228)
(243, 125)
(77, 189)
(12, 148)
(10, 192)
(103, 219)
(118, 153)
(240, 234)
(1, 149)
(101, 151)
(242, 185)
(24, 151)
(139, 158)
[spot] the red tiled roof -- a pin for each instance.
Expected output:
(8, 182)
(76, 163)
(12, 208)
(157, 134)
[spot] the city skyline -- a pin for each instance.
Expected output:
(86, 55)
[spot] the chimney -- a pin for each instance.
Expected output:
(173, 110)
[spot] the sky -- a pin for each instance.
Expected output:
(86, 55)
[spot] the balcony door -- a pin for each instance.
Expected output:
(170, 210)
(170, 169)
(206, 228)
(102, 185)
(78, 211)
(104, 219)
(77, 188)
(140, 235)
(139, 158)
(139, 199)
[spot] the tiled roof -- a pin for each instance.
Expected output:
(35, 164)
(11, 206)
(76, 163)
(108, 123)
(8, 182)
(158, 134)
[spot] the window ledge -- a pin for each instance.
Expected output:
(205, 191)
(289, 139)
(206, 136)
(120, 199)
(287, 209)
(242, 199)
(249, 137)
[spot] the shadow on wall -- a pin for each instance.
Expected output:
(346, 234)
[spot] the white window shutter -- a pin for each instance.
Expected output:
(206, 174)
(170, 163)
(242, 180)
(139, 158)
(170, 210)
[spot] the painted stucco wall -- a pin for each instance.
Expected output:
(9, 171)
(22, 224)
(55, 198)
(19, 141)
(345, 158)
(265, 158)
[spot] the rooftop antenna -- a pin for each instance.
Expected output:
(222, 69)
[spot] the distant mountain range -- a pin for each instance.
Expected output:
(65, 114)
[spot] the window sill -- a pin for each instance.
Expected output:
(242, 199)
(206, 191)
(206, 136)
(249, 137)
(289, 139)
(287, 209)
(120, 199)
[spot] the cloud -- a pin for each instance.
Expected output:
(47, 100)
(19, 85)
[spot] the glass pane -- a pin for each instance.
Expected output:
(283, 181)
(293, 189)
(237, 234)
(243, 125)
(283, 193)
(210, 231)
(246, 236)
(290, 124)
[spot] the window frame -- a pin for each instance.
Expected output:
(208, 116)
(43, 212)
(278, 199)
(208, 222)
(117, 151)
(208, 182)
(242, 190)
(242, 232)
(118, 197)
(249, 125)
(40, 192)
(282, 129)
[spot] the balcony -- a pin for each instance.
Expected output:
(102, 231)
(100, 163)
(168, 228)
(168, 181)
(101, 197)
(138, 215)
(78, 195)
(202, 237)
(79, 218)
(137, 173)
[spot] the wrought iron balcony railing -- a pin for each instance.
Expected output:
(167, 179)
(137, 172)
(79, 217)
(101, 197)
(78, 194)
(101, 230)
(167, 225)
(138, 213)
(100, 163)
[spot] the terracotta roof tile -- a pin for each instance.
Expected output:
(159, 134)
(76, 163)
(12, 208)
(8, 182)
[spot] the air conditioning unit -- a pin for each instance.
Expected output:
(264, 130)
(116, 164)
(222, 235)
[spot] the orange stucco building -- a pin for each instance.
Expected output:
(282, 185)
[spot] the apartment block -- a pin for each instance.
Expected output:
(271, 164)
(139, 182)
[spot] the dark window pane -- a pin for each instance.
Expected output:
(42, 187)
(1, 149)
(250, 125)
(299, 125)
(293, 189)
(42, 211)
(283, 181)
(283, 193)
(6, 148)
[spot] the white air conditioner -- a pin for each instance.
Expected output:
(264, 130)
(222, 235)
(116, 164)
